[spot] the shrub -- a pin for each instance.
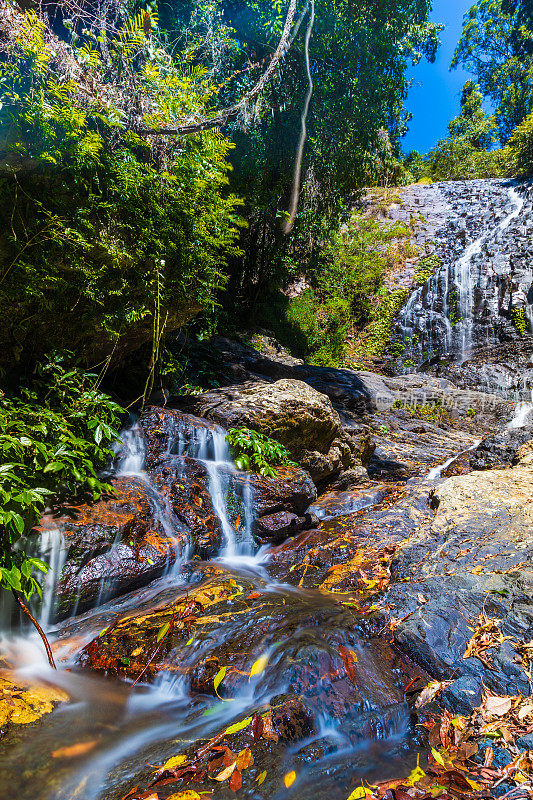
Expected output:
(53, 439)
(255, 451)
(519, 149)
(110, 233)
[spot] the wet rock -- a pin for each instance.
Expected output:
(336, 504)
(291, 489)
(277, 527)
(184, 483)
(310, 653)
(292, 412)
(473, 558)
(113, 546)
(168, 431)
(500, 449)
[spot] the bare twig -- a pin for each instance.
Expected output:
(40, 631)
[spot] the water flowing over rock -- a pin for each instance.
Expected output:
(474, 316)
(114, 545)
(292, 412)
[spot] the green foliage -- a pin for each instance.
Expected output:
(107, 230)
(497, 47)
(520, 149)
(520, 320)
(53, 439)
(359, 54)
(255, 451)
(431, 412)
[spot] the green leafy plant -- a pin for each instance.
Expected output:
(255, 451)
(53, 439)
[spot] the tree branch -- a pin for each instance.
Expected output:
(228, 113)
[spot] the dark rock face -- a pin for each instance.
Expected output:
(290, 490)
(183, 482)
(169, 432)
(113, 546)
(500, 449)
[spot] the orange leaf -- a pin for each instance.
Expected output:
(73, 750)
(289, 778)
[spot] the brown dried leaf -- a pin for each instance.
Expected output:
(430, 692)
(257, 727)
(245, 759)
(236, 781)
(497, 706)
(224, 775)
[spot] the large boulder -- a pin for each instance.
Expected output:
(292, 412)
(113, 546)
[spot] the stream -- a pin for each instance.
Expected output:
(365, 727)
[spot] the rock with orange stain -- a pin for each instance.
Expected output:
(113, 546)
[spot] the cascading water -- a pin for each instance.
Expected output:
(472, 300)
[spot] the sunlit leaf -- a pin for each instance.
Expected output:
(259, 666)
(289, 778)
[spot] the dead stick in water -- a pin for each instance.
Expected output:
(156, 651)
(40, 631)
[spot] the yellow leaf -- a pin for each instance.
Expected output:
(238, 726)
(137, 652)
(219, 677)
(187, 795)
(289, 778)
(261, 777)
(163, 630)
(475, 786)
(416, 775)
(437, 756)
(259, 666)
(173, 762)
(359, 793)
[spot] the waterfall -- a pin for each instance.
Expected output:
(468, 302)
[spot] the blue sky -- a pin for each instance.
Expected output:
(434, 97)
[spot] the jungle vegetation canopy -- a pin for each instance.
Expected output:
(110, 229)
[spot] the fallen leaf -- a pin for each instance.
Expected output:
(224, 775)
(349, 659)
(430, 692)
(261, 777)
(236, 781)
(258, 666)
(289, 779)
(163, 630)
(175, 761)
(498, 706)
(188, 794)
(257, 727)
(245, 759)
(239, 726)
(73, 750)
(219, 677)
(437, 756)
